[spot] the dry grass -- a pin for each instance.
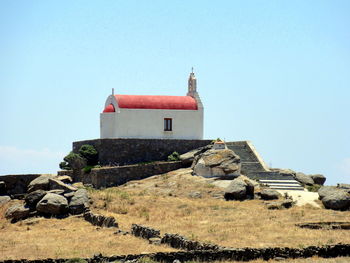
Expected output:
(304, 260)
(64, 238)
(161, 202)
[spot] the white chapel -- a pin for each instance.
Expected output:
(154, 117)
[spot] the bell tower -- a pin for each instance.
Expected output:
(192, 85)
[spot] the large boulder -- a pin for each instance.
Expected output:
(345, 187)
(17, 212)
(326, 190)
(79, 202)
(339, 200)
(239, 189)
(33, 198)
(55, 184)
(304, 179)
(65, 179)
(217, 163)
(40, 183)
(318, 179)
(187, 158)
(52, 204)
(269, 194)
(4, 199)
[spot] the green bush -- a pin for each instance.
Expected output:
(313, 188)
(89, 153)
(175, 156)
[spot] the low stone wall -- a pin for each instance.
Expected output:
(100, 220)
(237, 254)
(130, 151)
(114, 176)
(144, 231)
(16, 184)
(177, 241)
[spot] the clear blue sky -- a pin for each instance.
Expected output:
(273, 72)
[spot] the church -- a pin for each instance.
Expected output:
(154, 116)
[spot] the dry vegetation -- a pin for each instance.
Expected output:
(65, 238)
(163, 202)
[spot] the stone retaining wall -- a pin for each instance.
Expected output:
(130, 151)
(100, 220)
(238, 254)
(144, 231)
(114, 176)
(181, 242)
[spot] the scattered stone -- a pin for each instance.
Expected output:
(269, 194)
(100, 220)
(155, 240)
(40, 183)
(277, 205)
(34, 197)
(339, 200)
(53, 204)
(55, 184)
(144, 231)
(17, 212)
(304, 179)
(239, 189)
(65, 179)
(4, 199)
(318, 179)
(121, 232)
(79, 202)
(195, 194)
(224, 164)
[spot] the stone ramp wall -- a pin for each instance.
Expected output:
(114, 176)
(251, 161)
(114, 152)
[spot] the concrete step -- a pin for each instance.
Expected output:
(282, 184)
(278, 181)
(288, 188)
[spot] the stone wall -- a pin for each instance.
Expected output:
(16, 184)
(114, 176)
(114, 152)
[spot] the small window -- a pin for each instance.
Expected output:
(168, 124)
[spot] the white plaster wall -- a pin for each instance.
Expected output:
(149, 123)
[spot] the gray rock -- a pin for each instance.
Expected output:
(55, 184)
(155, 240)
(57, 192)
(33, 198)
(345, 187)
(304, 179)
(65, 179)
(217, 163)
(237, 190)
(2, 187)
(195, 194)
(40, 183)
(4, 199)
(17, 212)
(339, 200)
(79, 202)
(52, 204)
(269, 194)
(318, 179)
(326, 190)
(277, 205)
(187, 158)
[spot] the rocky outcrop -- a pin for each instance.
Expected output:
(55, 184)
(269, 194)
(52, 204)
(144, 231)
(217, 163)
(345, 187)
(79, 202)
(181, 242)
(17, 212)
(2, 188)
(100, 220)
(304, 179)
(40, 183)
(4, 199)
(239, 189)
(33, 198)
(318, 179)
(188, 158)
(65, 179)
(338, 200)
(326, 190)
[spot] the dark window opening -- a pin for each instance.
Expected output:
(168, 124)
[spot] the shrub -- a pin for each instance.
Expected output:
(89, 153)
(313, 188)
(72, 161)
(175, 156)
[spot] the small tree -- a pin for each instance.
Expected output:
(73, 161)
(175, 156)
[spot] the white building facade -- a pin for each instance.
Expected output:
(154, 117)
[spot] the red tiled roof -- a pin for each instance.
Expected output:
(109, 108)
(156, 102)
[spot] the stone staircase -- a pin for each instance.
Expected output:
(290, 184)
